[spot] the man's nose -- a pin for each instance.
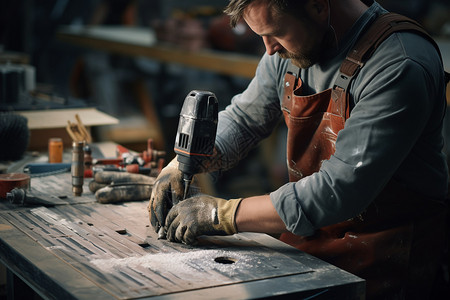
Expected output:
(272, 46)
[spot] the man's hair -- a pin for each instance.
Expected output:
(235, 9)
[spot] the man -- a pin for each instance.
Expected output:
(362, 196)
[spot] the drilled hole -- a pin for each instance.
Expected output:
(121, 231)
(144, 245)
(225, 260)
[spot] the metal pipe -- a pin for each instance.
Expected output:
(77, 168)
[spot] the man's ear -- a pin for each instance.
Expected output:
(318, 9)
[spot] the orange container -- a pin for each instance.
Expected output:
(55, 150)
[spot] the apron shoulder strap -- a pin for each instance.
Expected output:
(366, 45)
(294, 70)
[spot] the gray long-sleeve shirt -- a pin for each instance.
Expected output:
(394, 129)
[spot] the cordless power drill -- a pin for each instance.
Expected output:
(196, 134)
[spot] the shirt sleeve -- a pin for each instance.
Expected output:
(395, 123)
(251, 116)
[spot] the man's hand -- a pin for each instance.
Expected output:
(201, 215)
(167, 191)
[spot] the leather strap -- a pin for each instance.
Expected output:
(366, 45)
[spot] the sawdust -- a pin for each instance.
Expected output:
(192, 265)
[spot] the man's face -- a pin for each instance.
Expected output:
(302, 41)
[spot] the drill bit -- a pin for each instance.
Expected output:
(187, 184)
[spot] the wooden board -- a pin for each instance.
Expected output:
(216, 61)
(57, 118)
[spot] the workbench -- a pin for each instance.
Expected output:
(82, 249)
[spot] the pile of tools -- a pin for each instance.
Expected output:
(129, 176)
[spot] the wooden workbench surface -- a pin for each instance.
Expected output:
(87, 250)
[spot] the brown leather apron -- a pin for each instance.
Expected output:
(394, 244)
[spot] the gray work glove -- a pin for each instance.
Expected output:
(201, 215)
(113, 187)
(167, 191)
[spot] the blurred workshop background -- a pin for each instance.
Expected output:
(63, 43)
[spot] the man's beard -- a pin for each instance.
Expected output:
(302, 60)
(312, 53)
